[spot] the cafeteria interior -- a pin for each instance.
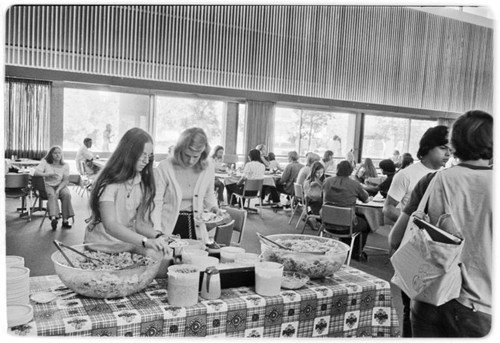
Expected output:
(358, 81)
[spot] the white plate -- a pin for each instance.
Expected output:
(19, 314)
(43, 297)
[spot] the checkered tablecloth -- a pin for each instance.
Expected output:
(349, 304)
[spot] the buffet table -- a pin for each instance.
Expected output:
(350, 304)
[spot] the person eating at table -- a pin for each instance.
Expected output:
(55, 174)
(285, 183)
(254, 169)
(342, 191)
(220, 167)
(313, 189)
(304, 172)
(122, 198)
(388, 169)
(85, 157)
(263, 154)
(185, 187)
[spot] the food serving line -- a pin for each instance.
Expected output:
(255, 299)
(352, 303)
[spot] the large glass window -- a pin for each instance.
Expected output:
(383, 135)
(103, 116)
(311, 130)
(175, 114)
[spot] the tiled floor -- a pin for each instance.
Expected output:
(35, 243)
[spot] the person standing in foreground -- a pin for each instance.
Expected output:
(433, 153)
(121, 200)
(465, 192)
(185, 188)
(55, 174)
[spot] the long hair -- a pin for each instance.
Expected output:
(370, 170)
(121, 167)
(216, 150)
(50, 159)
(314, 168)
(193, 139)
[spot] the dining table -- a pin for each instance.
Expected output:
(228, 178)
(24, 163)
(372, 211)
(351, 303)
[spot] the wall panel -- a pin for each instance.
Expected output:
(393, 56)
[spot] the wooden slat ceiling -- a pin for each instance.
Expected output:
(383, 55)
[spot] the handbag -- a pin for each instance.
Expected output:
(427, 263)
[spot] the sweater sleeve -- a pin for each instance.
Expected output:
(161, 185)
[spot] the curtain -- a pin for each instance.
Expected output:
(26, 118)
(259, 125)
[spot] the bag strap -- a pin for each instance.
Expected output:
(425, 197)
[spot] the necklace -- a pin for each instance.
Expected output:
(128, 187)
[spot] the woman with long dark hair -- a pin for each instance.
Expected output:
(122, 197)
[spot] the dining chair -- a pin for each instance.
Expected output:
(224, 234)
(240, 219)
(85, 180)
(17, 186)
(38, 186)
(338, 223)
(251, 185)
(297, 199)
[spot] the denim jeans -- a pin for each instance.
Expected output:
(448, 320)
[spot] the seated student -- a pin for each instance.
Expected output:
(219, 166)
(254, 169)
(85, 157)
(263, 154)
(304, 172)
(406, 160)
(313, 187)
(328, 161)
(55, 173)
(342, 191)
(289, 176)
(389, 169)
(273, 164)
(366, 170)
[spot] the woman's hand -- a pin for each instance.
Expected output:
(158, 244)
(216, 210)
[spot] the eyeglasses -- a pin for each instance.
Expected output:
(147, 157)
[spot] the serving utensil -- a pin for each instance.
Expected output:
(59, 245)
(289, 249)
(56, 243)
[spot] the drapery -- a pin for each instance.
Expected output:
(26, 118)
(259, 124)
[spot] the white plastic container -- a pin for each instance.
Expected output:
(227, 254)
(268, 277)
(183, 283)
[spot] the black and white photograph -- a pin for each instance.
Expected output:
(234, 170)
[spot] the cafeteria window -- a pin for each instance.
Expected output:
(103, 116)
(304, 130)
(175, 114)
(383, 135)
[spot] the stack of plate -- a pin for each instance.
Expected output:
(18, 285)
(14, 261)
(18, 314)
